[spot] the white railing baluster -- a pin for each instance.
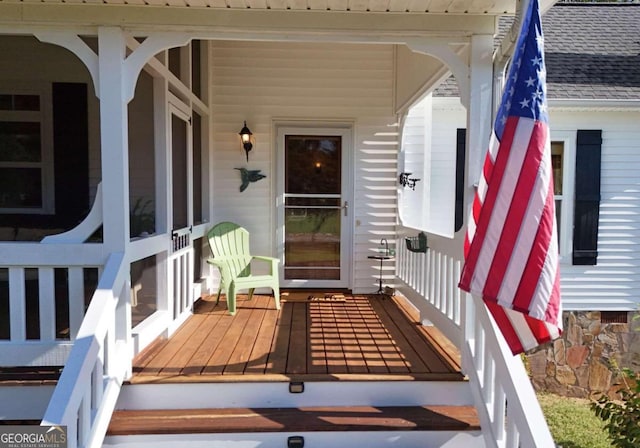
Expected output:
(436, 280)
(110, 355)
(478, 352)
(17, 304)
(488, 381)
(186, 283)
(439, 285)
(46, 303)
(173, 281)
(499, 408)
(420, 275)
(84, 416)
(97, 378)
(72, 432)
(432, 286)
(427, 273)
(423, 275)
(451, 281)
(513, 438)
(456, 300)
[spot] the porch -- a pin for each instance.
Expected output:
(186, 92)
(326, 365)
(315, 336)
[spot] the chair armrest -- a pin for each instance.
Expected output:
(214, 261)
(222, 265)
(263, 258)
(274, 262)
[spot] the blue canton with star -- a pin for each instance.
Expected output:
(525, 93)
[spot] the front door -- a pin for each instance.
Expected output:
(314, 207)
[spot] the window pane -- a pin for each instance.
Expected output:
(19, 141)
(312, 164)
(20, 187)
(312, 243)
(557, 156)
(20, 102)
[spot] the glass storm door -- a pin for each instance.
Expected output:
(314, 210)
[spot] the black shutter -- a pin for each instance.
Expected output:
(461, 144)
(587, 197)
(71, 153)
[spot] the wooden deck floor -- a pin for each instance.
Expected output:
(359, 337)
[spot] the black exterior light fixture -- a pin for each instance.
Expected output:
(247, 139)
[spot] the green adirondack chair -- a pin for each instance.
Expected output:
(229, 244)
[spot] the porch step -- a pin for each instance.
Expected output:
(294, 394)
(371, 426)
(243, 420)
(25, 392)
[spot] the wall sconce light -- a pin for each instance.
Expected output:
(247, 139)
(407, 181)
(318, 167)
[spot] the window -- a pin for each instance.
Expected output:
(575, 160)
(25, 153)
(562, 158)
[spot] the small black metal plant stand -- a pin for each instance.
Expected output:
(385, 254)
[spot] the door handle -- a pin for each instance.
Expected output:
(346, 208)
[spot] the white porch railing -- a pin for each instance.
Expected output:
(429, 280)
(32, 265)
(89, 386)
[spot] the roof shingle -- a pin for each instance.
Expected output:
(592, 51)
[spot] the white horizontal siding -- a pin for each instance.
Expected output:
(265, 83)
(614, 283)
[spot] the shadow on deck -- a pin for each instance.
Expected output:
(354, 337)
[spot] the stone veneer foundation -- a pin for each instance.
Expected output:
(585, 361)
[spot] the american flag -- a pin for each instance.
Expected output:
(511, 250)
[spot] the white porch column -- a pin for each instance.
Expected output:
(479, 110)
(479, 124)
(114, 138)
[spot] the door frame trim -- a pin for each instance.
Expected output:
(346, 131)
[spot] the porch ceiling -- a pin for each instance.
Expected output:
(370, 21)
(491, 7)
